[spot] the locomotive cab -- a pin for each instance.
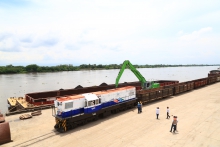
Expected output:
(92, 103)
(58, 105)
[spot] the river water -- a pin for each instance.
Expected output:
(15, 85)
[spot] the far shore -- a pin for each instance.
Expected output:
(33, 68)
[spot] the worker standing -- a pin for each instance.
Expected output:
(174, 123)
(168, 111)
(139, 107)
(157, 112)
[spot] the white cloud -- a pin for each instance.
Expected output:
(196, 34)
(147, 32)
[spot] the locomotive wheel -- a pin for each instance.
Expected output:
(68, 127)
(83, 122)
(61, 129)
(56, 126)
(113, 111)
(101, 115)
(73, 125)
(95, 118)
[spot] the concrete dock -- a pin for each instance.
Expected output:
(198, 114)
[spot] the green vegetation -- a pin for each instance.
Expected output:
(35, 68)
(10, 69)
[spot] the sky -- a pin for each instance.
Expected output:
(54, 32)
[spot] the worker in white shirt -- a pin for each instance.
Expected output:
(168, 111)
(157, 112)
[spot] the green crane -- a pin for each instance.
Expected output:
(144, 84)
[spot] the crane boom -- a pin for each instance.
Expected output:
(144, 83)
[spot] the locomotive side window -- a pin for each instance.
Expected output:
(97, 101)
(59, 103)
(86, 103)
(99, 98)
(68, 105)
(91, 103)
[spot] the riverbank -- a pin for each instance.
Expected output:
(198, 112)
(33, 68)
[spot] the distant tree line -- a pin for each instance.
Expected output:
(10, 69)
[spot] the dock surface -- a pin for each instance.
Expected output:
(198, 114)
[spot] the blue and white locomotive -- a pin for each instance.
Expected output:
(71, 111)
(92, 103)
